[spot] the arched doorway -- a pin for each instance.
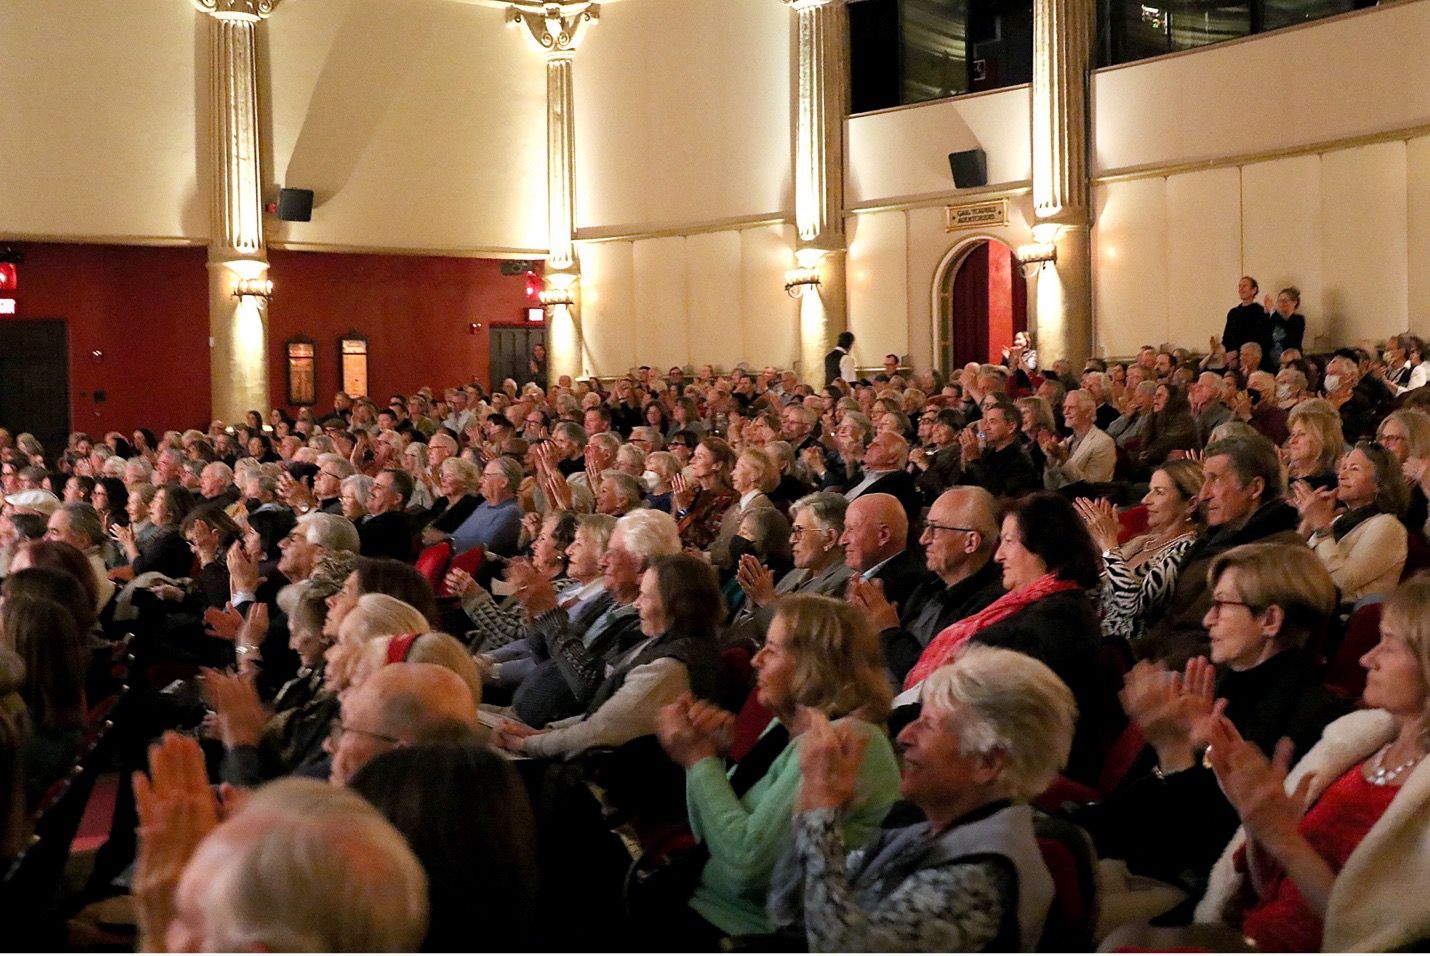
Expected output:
(982, 304)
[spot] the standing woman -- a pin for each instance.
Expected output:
(1288, 327)
(1364, 547)
(1139, 576)
(822, 661)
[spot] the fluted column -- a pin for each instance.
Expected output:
(556, 29)
(238, 360)
(1062, 54)
(821, 104)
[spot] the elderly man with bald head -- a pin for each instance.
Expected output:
(400, 705)
(875, 542)
(885, 459)
(959, 538)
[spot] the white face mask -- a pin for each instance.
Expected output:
(1333, 382)
(1283, 392)
(650, 478)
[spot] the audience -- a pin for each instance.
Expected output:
(880, 535)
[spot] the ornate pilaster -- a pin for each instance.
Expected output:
(237, 251)
(1062, 53)
(821, 104)
(556, 29)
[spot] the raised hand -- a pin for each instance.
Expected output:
(238, 712)
(1172, 710)
(968, 444)
(243, 577)
(224, 623)
(869, 595)
(755, 580)
(1256, 787)
(1101, 520)
(682, 492)
(829, 758)
(125, 536)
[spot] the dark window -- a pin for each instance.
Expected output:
(1131, 30)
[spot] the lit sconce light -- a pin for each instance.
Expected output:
(1035, 255)
(555, 297)
(802, 280)
(258, 288)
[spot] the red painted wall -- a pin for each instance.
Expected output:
(145, 310)
(1000, 300)
(416, 312)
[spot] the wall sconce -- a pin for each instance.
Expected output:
(555, 297)
(1036, 255)
(258, 288)
(800, 281)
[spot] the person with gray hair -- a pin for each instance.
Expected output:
(995, 728)
(316, 536)
(302, 867)
(495, 524)
(1089, 454)
(618, 494)
(77, 524)
(352, 496)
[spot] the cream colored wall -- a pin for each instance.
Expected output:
(100, 122)
(418, 124)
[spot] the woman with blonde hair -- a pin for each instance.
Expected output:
(1139, 576)
(373, 616)
(821, 661)
(433, 647)
(1315, 444)
(459, 481)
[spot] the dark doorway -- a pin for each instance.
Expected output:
(510, 353)
(984, 303)
(34, 379)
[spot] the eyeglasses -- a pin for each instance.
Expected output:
(331, 475)
(797, 532)
(1218, 604)
(337, 729)
(932, 528)
(678, 444)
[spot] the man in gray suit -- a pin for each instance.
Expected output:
(818, 564)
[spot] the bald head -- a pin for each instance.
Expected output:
(961, 533)
(401, 705)
(875, 529)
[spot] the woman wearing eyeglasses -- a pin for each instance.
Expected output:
(1364, 546)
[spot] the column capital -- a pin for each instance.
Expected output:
(251, 10)
(556, 28)
(810, 4)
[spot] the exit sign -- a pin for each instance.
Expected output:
(9, 277)
(7, 306)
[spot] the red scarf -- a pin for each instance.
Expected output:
(942, 648)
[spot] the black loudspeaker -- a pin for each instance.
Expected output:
(970, 168)
(295, 205)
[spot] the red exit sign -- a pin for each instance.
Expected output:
(9, 277)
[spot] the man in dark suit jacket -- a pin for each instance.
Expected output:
(387, 530)
(875, 542)
(884, 461)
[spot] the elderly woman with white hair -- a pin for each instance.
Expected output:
(996, 727)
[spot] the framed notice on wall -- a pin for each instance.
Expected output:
(352, 359)
(302, 372)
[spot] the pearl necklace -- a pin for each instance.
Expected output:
(1381, 777)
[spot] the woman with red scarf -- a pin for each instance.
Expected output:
(1049, 563)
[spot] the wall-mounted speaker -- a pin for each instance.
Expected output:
(969, 168)
(295, 205)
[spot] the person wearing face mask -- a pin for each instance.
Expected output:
(763, 537)
(1256, 407)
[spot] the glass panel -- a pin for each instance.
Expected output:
(933, 37)
(1135, 29)
(1285, 13)
(302, 375)
(354, 370)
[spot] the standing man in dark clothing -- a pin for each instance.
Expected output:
(1246, 321)
(1002, 466)
(839, 363)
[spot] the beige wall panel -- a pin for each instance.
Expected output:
(1129, 266)
(932, 248)
(1203, 253)
(770, 317)
(1281, 232)
(682, 113)
(418, 124)
(1417, 176)
(661, 322)
(103, 120)
(1357, 75)
(876, 278)
(1363, 257)
(608, 289)
(904, 152)
(716, 331)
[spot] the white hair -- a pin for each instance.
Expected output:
(1009, 702)
(330, 531)
(649, 534)
(308, 867)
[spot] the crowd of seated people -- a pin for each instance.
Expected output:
(692, 656)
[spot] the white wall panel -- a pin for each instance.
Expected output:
(1203, 253)
(904, 152)
(771, 318)
(683, 113)
(1357, 75)
(662, 335)
(1417, 176)
(1130, 265)
(1281, 232)
(876, 277)
(103, 124)
(1364, 253)
(608, 326)
(715, 331)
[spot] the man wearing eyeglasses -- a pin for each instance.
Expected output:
(959, 537)
(400, 705)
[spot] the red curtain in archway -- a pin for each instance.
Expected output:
(989, 304)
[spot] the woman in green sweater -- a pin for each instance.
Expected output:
(820, 656)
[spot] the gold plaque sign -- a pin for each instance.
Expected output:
(991, 213)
